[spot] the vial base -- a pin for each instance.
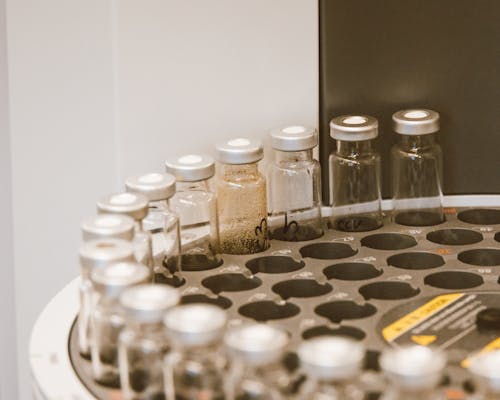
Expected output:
(358, 223)
(419, 217)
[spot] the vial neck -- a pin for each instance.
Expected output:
(415, 142)
(293, 156)
(192, 186)
(138, 226)
(232, 172)
(353, 149)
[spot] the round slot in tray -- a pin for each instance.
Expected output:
(327, 251)
(388, 241)
(299, 233)
(173, 280)
(356, 223)
(352, 271)
(323, 330)
(199, 262)
(453, 280)
(455, 237)
(274, 265)
(267, 310)
(416, 260)
(230, 282)
(388, 290)
(480, 257)
(372, 360)
(220, 301)
(337, 311)
(497, 236)
(419, 218)
(480, 216)
(301, 288)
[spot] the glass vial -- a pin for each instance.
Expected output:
(107, 317)
(413, 373)
(135, 206)
(196, 207)
(417, 169)
(143, 344)
(256, 371)
(95, 254)
(294, 185)
(194, 370)
(355, 174)
(241, 197)
(485, 369)
(162, 223)
(108, 226)
(332, 366)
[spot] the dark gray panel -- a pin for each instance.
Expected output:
(377, 57)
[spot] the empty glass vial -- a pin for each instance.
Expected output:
(417, 169)
(332, 366)
(107, 317)
(413, 373)
(143, 343)
(194, 369)
(108, 226)
(196, 206)
(135, 206)
(241, 197)
(355, 174)
(294, 185)
(95, 254)
(256, 372)
(485, 369)
(161, 222)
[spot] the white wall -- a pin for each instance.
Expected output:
(101, 89)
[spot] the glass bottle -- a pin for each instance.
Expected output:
(355, 174)
(94, 254)
(241, 197)
(135, 206)
(485, 369)
(107, 317)
(294, 185)
(413, 373)
(194, 369)
(196, 207)
(256, 371)
(417, 169)
(108, 226)
(332, 366)
(142, 345)
(162, 223)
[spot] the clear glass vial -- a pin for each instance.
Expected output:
(294, 185)
(413, 373)
(142, 345)
(196, 206)
(355, 174)
(108, 226)
(256, 372)
(107, 317)
(332, 366)
(96, 253)
(194, 370)
(241, 197)
(162, 222)
(135, 206)
(485, 369)
(417, 169)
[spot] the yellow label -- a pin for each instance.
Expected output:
(412, 319)
(492, 346)
(424, 340)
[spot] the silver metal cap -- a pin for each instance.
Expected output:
(108, 226)
(195, 324)
(154, 186)
(415, 122)
(98, 253)
(256, 344)
(239, 151)
(333, 358)
(148, 303)
(413, 367)
(486, 370)
(132, 204)
(191, 167)
(113, 279)
(354, 128)
(294, 138)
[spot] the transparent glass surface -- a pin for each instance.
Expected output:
(355, 187)
(331, 390)
(416, 180)
(87, 301)
(242, 206)
(143, 248)
(294, 196)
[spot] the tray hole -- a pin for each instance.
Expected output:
(193, 262)
(416, 260)
(497, 236)
(419, 218)
(388, 291)
(372, 360)
(480, 216)
(327, 251)
(300, 234)
(388, 241)
(140, 379)
(455, 237)
(220, 301)
(480, 257)
(354, 223)
(274, 265)
(337, 311)
(291, 361)
(231, 282)
(353, 271)
(323, 330)
(267, 310)
(453, 280)
(172, 280)
(301, 288)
